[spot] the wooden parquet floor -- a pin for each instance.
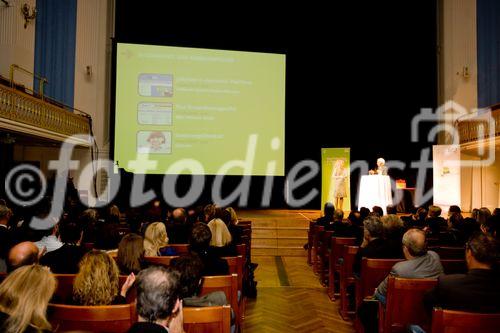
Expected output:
(291, 299)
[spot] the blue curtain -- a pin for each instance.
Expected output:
(55, 41)
(488, 52)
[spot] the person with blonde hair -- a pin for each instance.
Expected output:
(220, 233)
(97, 281)
(24, 297)
(155, 237)
(234, 217)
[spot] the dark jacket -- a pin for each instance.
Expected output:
(376, 249)
(178, 233)
(143, 327)
(64, 260)
(476, 291)
(212, 263)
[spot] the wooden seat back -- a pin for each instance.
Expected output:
(64, 290)
(216, 319)
(226, 283)
(159, 260)
(236, 267)
(346, 278)
(405, 304)
(373, 271)
(448, 321)
(310, 241)
(337, 246)
(179, 249)
(109, 318)
(449, 252)
(317, 231)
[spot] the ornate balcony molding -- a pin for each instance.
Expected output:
(469, 129)
(24, 113)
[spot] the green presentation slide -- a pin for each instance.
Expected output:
(224, 109)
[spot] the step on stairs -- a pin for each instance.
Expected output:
(279, 237)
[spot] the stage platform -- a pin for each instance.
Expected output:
(279, 232)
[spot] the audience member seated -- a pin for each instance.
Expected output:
(22, 254)
(336, 224)
(107, 236)
(356, 225)
(378, 210)
(417, 219)
(65, 259)
(130, 258)
(190, 268)
(232, 225)
(199, 243)
(393, 234)
(178, 229)
(97, 281)
(49, 240)
(492, 226)
(476, 291)
(496, 212)
(483, 214)
(373, 246)
(158, 303)
(434, 221)
(327, 217)
(234, 217)
(88, 221)
(419, 264)
(208, 213)
(363, 213)
(24, 297)
(5, 236)
(391, 209)
(155, 237)
(221, 242)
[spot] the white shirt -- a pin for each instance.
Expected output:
(51, 243)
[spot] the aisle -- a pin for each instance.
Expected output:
(290, 299)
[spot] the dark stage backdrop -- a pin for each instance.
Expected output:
(356, 74)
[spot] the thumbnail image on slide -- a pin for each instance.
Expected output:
(156, 85)
(154, 142)
(154, 113)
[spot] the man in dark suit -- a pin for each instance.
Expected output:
(199, 243)
(476, 291)
(178, 228)
(434, 221)
(65, 260)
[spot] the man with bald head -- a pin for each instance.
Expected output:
(23, 254)
(178, 229)
(419, 264)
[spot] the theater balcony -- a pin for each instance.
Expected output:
(480, 129)
(24, 111)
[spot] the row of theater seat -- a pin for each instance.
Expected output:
(404, 296)
(119, 318)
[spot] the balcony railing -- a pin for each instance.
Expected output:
(20, 107)
(478, 128)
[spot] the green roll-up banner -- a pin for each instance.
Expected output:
(336, 177)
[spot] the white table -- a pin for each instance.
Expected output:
(375, 190)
